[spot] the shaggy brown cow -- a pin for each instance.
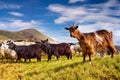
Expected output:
(94, 41)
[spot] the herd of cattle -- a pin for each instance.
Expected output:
(89, 44)
(28, 50)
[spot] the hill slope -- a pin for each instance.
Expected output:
(27, 34)
(34, 34)
(10, 35)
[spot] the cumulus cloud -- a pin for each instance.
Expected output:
(86, 12)
(4, 5)
(19, 24)
(2, 25)
(67, 13)
(90, 17)
(16, 14)
(74, 1)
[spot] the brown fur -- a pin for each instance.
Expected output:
(90, 43)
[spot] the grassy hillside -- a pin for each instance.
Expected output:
(63, 69)
(3, 37)
(11, 35)
(33, 33)
(26, 34)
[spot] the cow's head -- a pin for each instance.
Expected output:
(44, 44)
(44, 41)
(73, 31)
(11, 45)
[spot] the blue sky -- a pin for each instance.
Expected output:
(52, 16)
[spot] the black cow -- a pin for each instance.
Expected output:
(56, 49)
(26, 52)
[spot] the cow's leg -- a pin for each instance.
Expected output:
(38, 55)
(29, 60)
(70, 56)
(25, 60)
(39, 58)
(18, 58)
(57, 55)
(89, 57)
(112, 50)
(90, 60)
(49, 57)
(84, 55)
(67, 56)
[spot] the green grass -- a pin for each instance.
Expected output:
(101, 69)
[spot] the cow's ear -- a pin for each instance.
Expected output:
(67, 28)
(76, 27)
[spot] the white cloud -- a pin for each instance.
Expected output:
(74, 1)
(9, 6)
(2, 25)
(18, 24)
(86, 12)
(67, 13)
(16, 14)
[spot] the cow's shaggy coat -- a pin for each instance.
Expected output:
(93, 41)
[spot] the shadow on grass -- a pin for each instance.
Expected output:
(11, 62)
(55, 69)
(22, 61)
(69, 65)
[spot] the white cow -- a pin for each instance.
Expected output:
(6, 52)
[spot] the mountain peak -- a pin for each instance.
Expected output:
(29, 29)
(30, 34)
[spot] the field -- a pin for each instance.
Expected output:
(106, 68)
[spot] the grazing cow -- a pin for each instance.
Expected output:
(6, 52)
(26, 52)
(94, 41)
(56, 49)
